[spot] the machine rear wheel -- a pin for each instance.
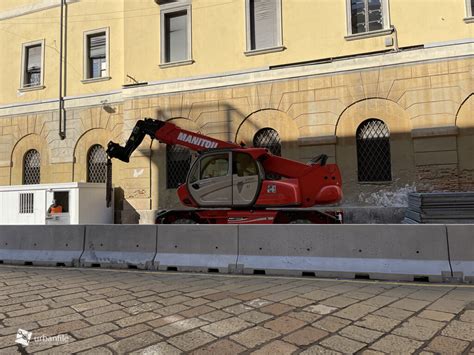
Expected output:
(184, 221)
(301, 221)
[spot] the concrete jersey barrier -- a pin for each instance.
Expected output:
(461, 250)
(120, 246)
(399, 252)
(203, 248)
(41, 245)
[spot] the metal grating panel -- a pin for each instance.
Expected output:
(373, 151)
(178, 162)
(97, 164)
(31, 167)
(26, 203)
(270, 139)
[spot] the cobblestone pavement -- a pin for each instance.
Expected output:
(96, 311)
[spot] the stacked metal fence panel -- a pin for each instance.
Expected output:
(442, 207)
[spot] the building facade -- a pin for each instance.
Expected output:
(383, 89)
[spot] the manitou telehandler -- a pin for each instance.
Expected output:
(228, 184)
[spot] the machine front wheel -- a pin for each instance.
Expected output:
(300, 221)
(184, 221)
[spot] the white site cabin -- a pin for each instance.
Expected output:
(83, 203)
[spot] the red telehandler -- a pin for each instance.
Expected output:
(227, 182)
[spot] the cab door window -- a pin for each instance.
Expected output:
(214, 166)
(245, 165)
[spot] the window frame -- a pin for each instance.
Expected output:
(88, 163)
(386, 30)
(24, 167)
(24, 63)
(86, 65)
(278, 47)
(169, 8)
(469, 12)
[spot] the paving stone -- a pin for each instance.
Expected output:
(305, 336)
(276, 309)
(304, 316)
(393, 313)
(156, 349)
(360, 334)
(257, 303)
(403, 345)
(276, 347)
(94, 330)
(191, 340)
(196, 302)
(459, 330)
(435, 315)
(165, 320)
(135, 342)
(167, 311)
(297, 301)
(342, 344)
(215, 316)
(81, 307)
(107, 317)
(320, 309)
(100, 350)
(139, 318)
(255, 336)
(319, 295)
(316, 349)
(221, 347)
(197, 311)
(410, 305)
(419, 328)
(61, 328)
(447, 305)
(180, 327)
(129, 331)
(255, 317)
(379, 301)
(81, 345)
(467, 316)
(284, 324)
(280, 296)
(339, 301)
(331, 324)
(377, 323)
(224, 303)
(356, 311)
(26, 311)
(372, 352)
(101, 310)
(37, 316)
(428, 295)
(226, 327)
(238, 309)
(445, 345)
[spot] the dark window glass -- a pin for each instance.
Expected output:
(32, 66)
(31, 167)
(96, 164)
(97, 55)
(373, 151)
(178, 162)
(366, 15)
(176, 36)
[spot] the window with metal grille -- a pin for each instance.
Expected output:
(96, 164)
(270, 139)
(373, 151)
(26, 203)
(366, 15)
(178, 162)
(31, 167)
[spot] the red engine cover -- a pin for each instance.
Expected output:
(276, 193)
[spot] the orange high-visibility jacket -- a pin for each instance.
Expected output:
(57, 209)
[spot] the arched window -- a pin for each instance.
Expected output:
(373, 151)
(178, 162)
(270, 139)
(96, 164)
(31, 167)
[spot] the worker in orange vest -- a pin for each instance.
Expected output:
(55, 208)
